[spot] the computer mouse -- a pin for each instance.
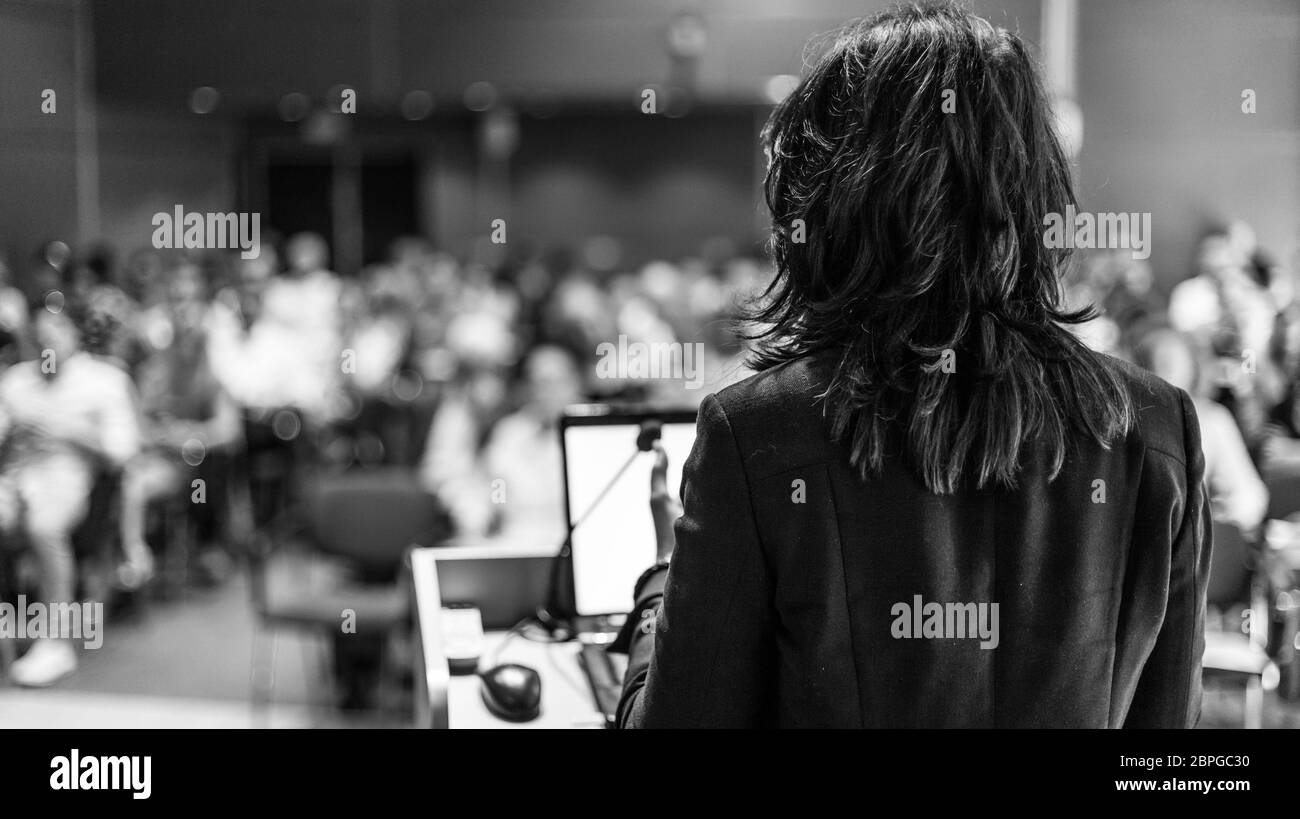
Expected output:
(512, 692)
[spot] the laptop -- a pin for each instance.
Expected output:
(607, 494)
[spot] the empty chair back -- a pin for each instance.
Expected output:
(371, 517)
(1230, 567)
(1283, 494)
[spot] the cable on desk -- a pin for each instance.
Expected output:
(576, 684)
(539, 634)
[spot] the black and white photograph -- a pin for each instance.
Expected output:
(486, 365)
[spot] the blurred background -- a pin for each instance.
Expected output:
(459, 201)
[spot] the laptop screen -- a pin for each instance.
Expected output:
(615, 542)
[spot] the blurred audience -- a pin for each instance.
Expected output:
(511, 481)
(172, 366)
(281, 346)
(67, 419)
(189, 417)
(1229, 334)
(266, 369)
(1237, 494)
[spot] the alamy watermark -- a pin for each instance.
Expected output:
(919, 620)
(639, 360)
(1092, 231)
(62, 621)
(75, 772)
(208, 231)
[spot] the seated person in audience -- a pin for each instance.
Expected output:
(188, 415)
(1237, 495)
(64, 417)
(290, 354)
(1278, 452)
(482, 345)
(237, 305)
(1227, 306)
(460, 425)
(382, 389)
(522, 462)
(92, 283)
(14, 331)
(506, 473)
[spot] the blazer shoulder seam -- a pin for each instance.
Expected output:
(1182, 460)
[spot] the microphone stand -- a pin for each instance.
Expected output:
(651, 431)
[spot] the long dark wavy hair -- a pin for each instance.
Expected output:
(910, 173)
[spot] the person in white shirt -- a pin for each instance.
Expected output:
(292, 355)
(64, 417)
(185, 412)
(523, 455)
(512, 482)
(1237, 494)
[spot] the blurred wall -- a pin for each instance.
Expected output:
(597, 166)
(1160, 85)
(1159, 81)
(255, 51)
(38, 151)
(152, 160)
(661, 186)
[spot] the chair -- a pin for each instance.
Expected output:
(265, 467)
(1228, 653)
(1283, 493)
(1288, 642)
(367, 520)
(179, 525)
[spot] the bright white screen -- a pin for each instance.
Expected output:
(616, 543)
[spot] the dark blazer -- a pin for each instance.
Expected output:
(782, 603)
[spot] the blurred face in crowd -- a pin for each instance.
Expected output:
(187, 293)
(307, 253)
(553, 382)
(84, 279)
(1241, 236)
(141, 274)
(1218, 257)
(56, 332)
(253, 272)
(486, 387)
(1138, 277)
(187, 284)
(1172, 358)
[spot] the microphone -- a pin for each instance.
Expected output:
(651, 430)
